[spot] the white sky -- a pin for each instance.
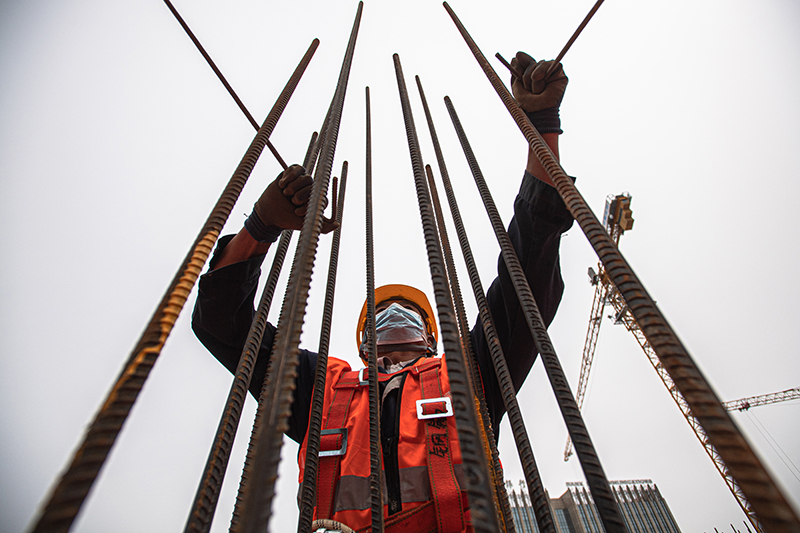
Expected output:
(116, 140)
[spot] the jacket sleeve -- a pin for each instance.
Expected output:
(221, 320)
(540, 217)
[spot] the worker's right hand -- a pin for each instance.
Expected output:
(537, 94)
(283, 205)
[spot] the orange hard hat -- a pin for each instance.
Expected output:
(399, 292)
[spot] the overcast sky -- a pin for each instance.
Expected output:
(116, 139)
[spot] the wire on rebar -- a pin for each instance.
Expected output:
(766, 498)
(71, 491)
(308, 488)
(595, 476)
(255, 502)
(476, 472)
(535, 487)
(205, 502)
(223, 80)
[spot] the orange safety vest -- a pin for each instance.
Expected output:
(429, 456)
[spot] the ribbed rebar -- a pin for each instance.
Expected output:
(375, 453)
(592, 469)
(309, 163)
(276, 398)
(476, 472)
(541, 502)
(320, 139)
(71, 491)
(205, 502)
(488, 440)
(309, 160)
(761, 491)
(223, 80)
(308, 489)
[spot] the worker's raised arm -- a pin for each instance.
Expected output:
(540, 97)
(224, 309)
(540, 218)
(281, 206)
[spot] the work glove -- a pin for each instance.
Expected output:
(283, 205)
(540, 98)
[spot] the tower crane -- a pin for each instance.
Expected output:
(617, 218)
(743, 404)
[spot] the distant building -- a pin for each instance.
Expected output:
(643, 509)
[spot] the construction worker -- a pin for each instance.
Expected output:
(406, 341)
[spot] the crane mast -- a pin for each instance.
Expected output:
(616, 219)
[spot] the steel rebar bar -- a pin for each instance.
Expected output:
(69, 494)
(593, 470)
(375, 452)
(501, 503)
(488, 439)
(310, 163)
(223, 80)
(535, 487)
(514, 71)
(276, 398)
(221, 77)
(476, 472)
(307, 491)
(518, 74)
(761, 491)
(572, 39)
(205, 502)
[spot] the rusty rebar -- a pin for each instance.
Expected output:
(71, 491)
(476, 472)
(309, 163)
(514, 71)
(375, 452)
(761, 491)
(572, 39)
(307, 490)
(518, 74)
(488, 440)
(593, 470)
(535, 487)
(205, 502)
(276, 398)
(223, 80)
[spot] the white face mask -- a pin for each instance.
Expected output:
(398, 325)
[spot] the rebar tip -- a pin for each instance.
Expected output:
(514, 72)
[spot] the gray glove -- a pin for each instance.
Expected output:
(538, 96)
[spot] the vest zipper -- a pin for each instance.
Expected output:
(391, 438)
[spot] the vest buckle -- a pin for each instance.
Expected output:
(447, 405)
(362, 377)
(343, 439)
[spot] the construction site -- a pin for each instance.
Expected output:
(671, 363)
